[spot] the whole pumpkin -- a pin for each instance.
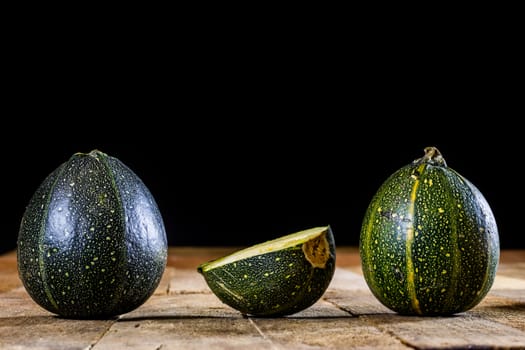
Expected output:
(92, 242)
(429, 242)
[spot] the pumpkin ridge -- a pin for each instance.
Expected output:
(41, 236)
(103, 158)
(454, 221)
(410, 239)
(368, 232)
(492, 259)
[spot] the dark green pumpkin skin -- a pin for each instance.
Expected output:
(290, 293)
(429, 242)
(92, 242)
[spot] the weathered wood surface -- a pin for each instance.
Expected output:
(184, 314)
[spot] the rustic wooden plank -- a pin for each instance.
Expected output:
(515, 269)
(505, 282)
(509, 287)
(349, 291)
(516, 295)
(187, 305)
(177, 320)
(347, 256)
(320, 310)
(504, 285)
(7, 256)
(326, 333)
(508, 310)
(164, 284)
(183, 321)
(464, 331)
(183, 333)
(356, 302)
(187, 281)
(195, 303)
(511, 256)
(325, 325)
(346, 279)
(8, 272)
(183, 313)
(26, 325)
(206, 304)
(17, 303)
(502, 310)
(50, 332)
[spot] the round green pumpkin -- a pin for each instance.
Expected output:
(92, 242)
(429, 242)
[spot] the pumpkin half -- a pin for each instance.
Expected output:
(277, 277)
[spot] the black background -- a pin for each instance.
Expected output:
(243, 138)
(248, 184)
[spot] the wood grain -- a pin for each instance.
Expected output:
(184, 314)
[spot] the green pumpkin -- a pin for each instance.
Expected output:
(429, 242)
(92, 242)
(275, 278)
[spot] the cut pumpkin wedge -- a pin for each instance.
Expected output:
(275, 278)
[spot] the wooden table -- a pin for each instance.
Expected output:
(184, 314)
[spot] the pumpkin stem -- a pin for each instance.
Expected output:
(432, 156)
